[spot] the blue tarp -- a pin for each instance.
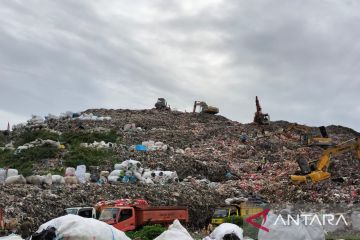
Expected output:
(140, 148)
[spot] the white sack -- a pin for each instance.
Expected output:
(75, 227)
(227, 228)
(175, 232)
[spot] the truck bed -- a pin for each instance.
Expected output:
(160, 215)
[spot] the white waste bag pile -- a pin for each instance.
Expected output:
(226, 228)
(155, 146)
(133, 170)
(98, 145)
(76, 227)
(11, 176)
(175, 232)
(160, 177)
(281, 231)
(40, 180)
(91, 116)
(37, 143)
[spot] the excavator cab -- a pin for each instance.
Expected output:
(204, 108)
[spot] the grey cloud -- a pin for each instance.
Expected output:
(300, 57)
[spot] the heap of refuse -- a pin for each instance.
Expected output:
(213, 157)
(38, 143)
(98, 145)
(131, 171)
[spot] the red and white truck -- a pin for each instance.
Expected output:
(128, 216)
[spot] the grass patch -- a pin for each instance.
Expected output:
(148, 232)
(75, 138)
(88, 156)
(30, 135)
(24, 160)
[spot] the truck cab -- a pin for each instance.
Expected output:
(120, 217)
(86, 212)
(243, 209)
(221, 213)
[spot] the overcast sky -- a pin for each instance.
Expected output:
(302, 58)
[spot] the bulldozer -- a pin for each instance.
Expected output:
(204, 108)
(317, 171)
(260, 118)
(161, 104)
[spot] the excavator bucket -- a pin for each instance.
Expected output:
(314, 177)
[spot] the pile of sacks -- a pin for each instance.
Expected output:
(132, 171)
(150, 146)
(98, 145)
(78, 175)
(93, 117)
(131, 127)
(11, 176)
(38, 143)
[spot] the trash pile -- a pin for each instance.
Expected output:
(38, 143)
(98, 145)
(49, 203)
(150, 146)
(214, 158)
(131, 171)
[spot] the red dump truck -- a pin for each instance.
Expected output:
(127, 218)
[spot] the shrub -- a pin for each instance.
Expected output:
(148, 232)
(237, 220)
(88, 156)
(24, 160)
(30, 135)
(75, 138)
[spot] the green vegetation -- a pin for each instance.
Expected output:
(88, 156)
(75, 138)
(24, 160)
(29, 136)
(146, 233)
(2, 139)
(73, 155)
(237, 220)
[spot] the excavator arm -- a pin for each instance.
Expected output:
(321, 172)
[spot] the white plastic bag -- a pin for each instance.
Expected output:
(227, 228)
(70, 171)
(12, 172)
(73, 227)
(175, 232)
(80, 173)
(57, 179)
(15, 180)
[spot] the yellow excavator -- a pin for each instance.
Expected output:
(204, 108)
(317, 171)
